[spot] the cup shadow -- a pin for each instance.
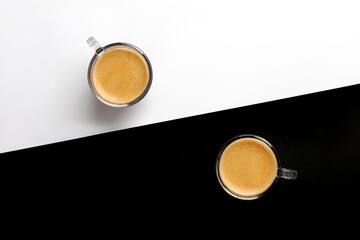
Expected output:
(112, 118)
(103, 114)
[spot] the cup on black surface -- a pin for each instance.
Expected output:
(248, 166)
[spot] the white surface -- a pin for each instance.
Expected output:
(206, 56)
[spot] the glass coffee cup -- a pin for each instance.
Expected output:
(119, 74)
(248, 166)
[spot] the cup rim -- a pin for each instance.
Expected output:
(97, 56)
(225, 145)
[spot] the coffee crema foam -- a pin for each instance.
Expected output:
(248, 167)
(120, 75)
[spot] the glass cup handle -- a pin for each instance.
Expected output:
(287, 173)
(95, 45)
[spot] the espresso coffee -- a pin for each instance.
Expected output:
(248, 167)
(120, 75)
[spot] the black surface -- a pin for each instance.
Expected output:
(169, 168)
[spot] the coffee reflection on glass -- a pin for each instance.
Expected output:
(119, 74)
(248, 166)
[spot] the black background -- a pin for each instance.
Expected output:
(167, 170)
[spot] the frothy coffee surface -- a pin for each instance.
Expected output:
(120, 75)
(248, 167)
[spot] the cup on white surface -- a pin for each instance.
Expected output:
(119, 74)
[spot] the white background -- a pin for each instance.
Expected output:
(206, 56)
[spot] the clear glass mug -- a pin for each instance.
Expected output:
(99, 50)
(231, 188)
